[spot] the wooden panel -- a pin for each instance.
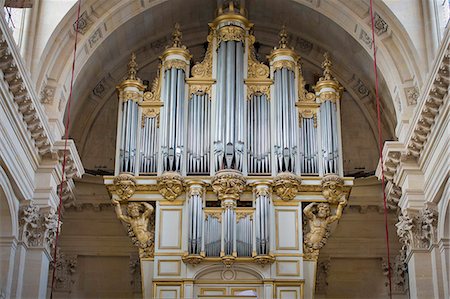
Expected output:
(288, 268)
(286, 229)
(169, 267)
(170, 228)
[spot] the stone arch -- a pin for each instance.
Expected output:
(9, 208)
(399, 61)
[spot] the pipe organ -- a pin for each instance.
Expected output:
(229, 151)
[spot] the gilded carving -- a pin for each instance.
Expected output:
(193, 259)
(333, 188)
(125, 186)
(214, 214)
(261, 190)
(170, 185)
(140, 225)
(286, 185)
(126, 95)
(256, 69)
(228, 184)
(228, 260)
(204, 69)
(263, 260)
(318, 222)
(258, 88)
(231, 33)
(279, 64)
(175, 63)
(196, 190)
(243, 214)
(200, 88)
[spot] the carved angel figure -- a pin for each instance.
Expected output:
(138, 219)
(319, 222)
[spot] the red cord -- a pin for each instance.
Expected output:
(380, 145)
(65, 151)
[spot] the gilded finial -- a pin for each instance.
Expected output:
(176, 36)
(326, 65)
(283, 44)
(132, 67)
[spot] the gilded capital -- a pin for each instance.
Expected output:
(170, 185)
(125, 186)
(228, 184)
(286, 185)
(332, 188)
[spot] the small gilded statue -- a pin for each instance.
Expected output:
(319, 223)
(138, 220)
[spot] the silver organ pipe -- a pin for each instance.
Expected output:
(328, 92)
(213, 234)
(149, 141)
(130, 95)
(286, 124)
(308, 153)
(244, 235)
(258, 132)
(198, 134)
(229, 134)
(174, 141)
(263, 208)
(195, 210)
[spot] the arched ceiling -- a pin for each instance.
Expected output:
(145, 28)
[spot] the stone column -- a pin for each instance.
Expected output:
(8, 247)
(38, 231)
(417, 231)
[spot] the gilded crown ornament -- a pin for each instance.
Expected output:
(286, 185)
(125, 186)
(171, 185)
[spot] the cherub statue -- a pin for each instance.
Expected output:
(137, 219)
(319, 222)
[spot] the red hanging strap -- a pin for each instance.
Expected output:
(63, 179)
(380, 145)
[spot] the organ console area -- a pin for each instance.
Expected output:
(241, 164)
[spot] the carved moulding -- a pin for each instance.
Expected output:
(228, 184)
(125, 186)
(171, 185)
(230, 33)
(192, 259)
(175, 63)
(263, 260)
(228, 260)
(286, 185)
(279, 64)
(333, 188)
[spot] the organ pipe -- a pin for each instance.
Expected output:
(283, 62)
(130, 95)
(328, 92)
(175, 65)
